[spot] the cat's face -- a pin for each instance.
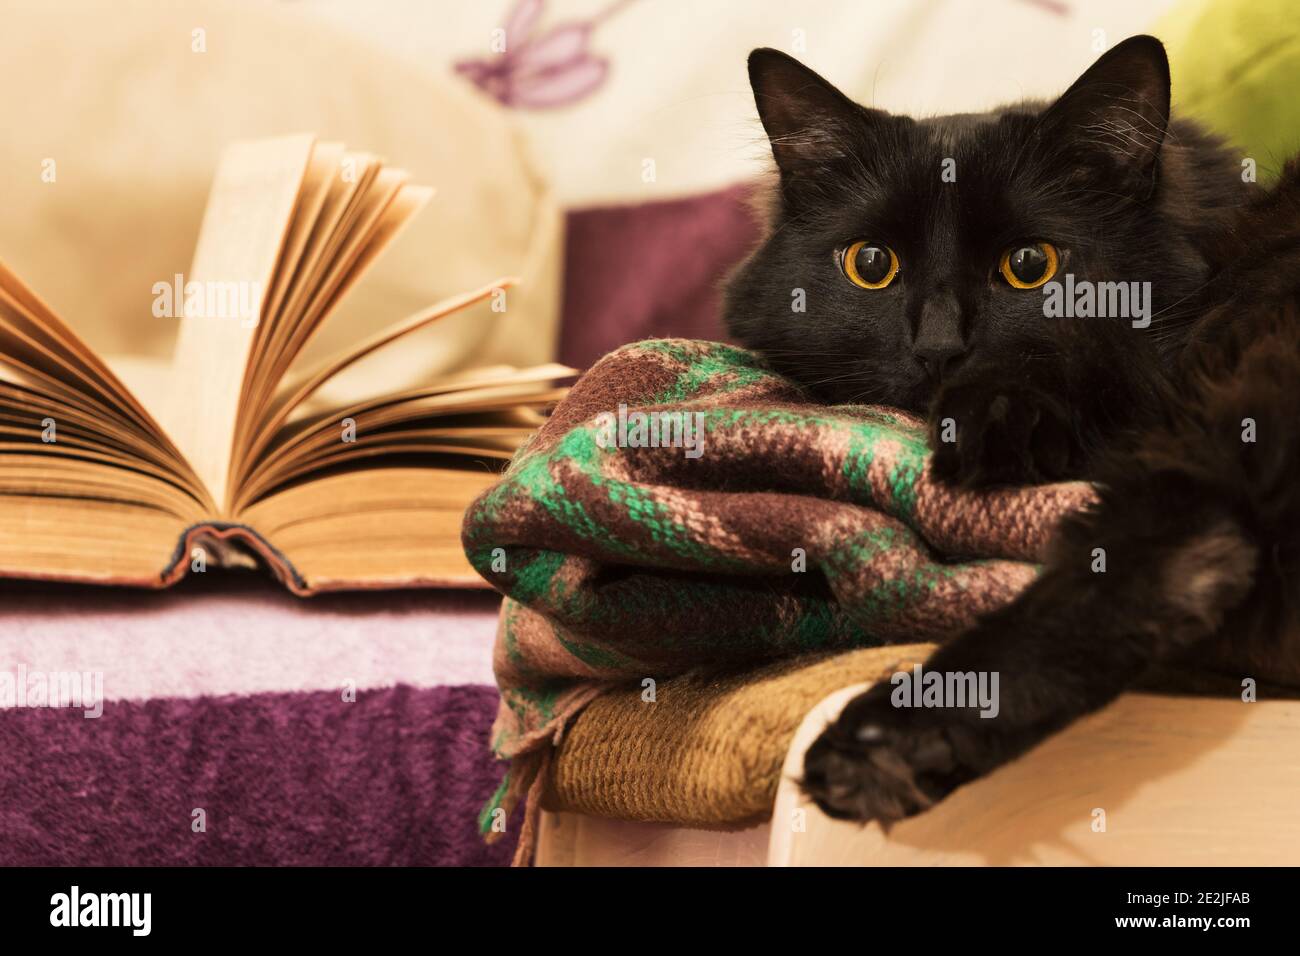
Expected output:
(906, 253)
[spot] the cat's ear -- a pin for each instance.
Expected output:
(1118, 110)
(808, 121)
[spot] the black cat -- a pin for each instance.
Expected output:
(922, 250)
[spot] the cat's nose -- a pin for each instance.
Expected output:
(938, 357)
(938, 342)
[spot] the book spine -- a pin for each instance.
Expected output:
(212, 542)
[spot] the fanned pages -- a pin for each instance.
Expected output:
(241, 462)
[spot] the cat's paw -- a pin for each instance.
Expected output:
(880, 762)
(1004, 434)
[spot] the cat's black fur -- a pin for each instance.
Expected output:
(1200, 529)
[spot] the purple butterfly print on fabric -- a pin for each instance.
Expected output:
(1057, 7)
(541, 70)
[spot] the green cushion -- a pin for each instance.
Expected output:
(1236, 68)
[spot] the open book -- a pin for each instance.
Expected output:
(247, 456)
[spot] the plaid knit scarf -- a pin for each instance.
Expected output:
(684, 507)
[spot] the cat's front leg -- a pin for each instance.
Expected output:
(1003, 432)
(1176, 563)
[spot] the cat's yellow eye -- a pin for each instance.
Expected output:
(869, 265)
(1030, 265)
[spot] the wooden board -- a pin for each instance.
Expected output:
(1182, 781)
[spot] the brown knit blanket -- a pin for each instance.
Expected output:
(685, 508)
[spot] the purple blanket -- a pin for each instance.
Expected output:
(241, 725)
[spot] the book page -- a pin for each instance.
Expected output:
(295, 391)
(383, 527)
(475, 425)
(247, 219)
